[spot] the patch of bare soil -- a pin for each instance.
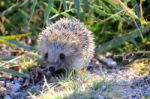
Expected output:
(127, 82)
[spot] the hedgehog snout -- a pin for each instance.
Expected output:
(54, 67)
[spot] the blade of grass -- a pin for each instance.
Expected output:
(36, 57)
(114, 4)
(33, 8)
(120, 40)
(13, 72)
(3, 41)
(47, 12)
(62, 13)
(64, 4)
(19, 45)
(52, 10)
(113, 16)
(77, 6)
(99, 11)
(23, 13)
(136, 7)
(104, 6)
(10, 37)
(12, 60)
(2, 68)
(128, 11)
(5, 12)
(23, 3)
(6, 58)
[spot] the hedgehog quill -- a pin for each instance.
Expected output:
(66, 44)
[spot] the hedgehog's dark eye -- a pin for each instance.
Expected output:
(45, 55)
(62, 56)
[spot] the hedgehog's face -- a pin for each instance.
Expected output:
(58, 56)
(54, 61)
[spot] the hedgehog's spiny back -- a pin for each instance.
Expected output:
(76, 28)
(69, 25)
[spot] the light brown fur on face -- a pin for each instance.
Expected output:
(66, 44)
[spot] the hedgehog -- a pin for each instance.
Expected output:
(66, 44)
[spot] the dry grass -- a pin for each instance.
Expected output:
(83, 85)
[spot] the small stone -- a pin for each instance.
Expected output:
(7, 97)
(3, 91)
(109, 54)
(26, 83)
(146, 93)
(9, 84)
(100, 97)
(111, 62)
(148, 79)
(3, 78)
(16, 95)
(104, 87)
(2, 84)
(7, 75)
(15, 87)
(15, 80)
(20, 79)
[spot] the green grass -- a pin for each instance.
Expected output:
(106, 19)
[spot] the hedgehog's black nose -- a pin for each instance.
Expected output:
(52, 69)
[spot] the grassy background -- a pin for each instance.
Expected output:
(107, 19)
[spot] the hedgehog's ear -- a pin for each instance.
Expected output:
(76, 48)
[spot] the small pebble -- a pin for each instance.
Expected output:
(7, 97)
(16, 95)
(20, 79)
(8, 84)
(100, 97)
(109, 61)
(15, 87)
(2, 84)
(3, 91)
